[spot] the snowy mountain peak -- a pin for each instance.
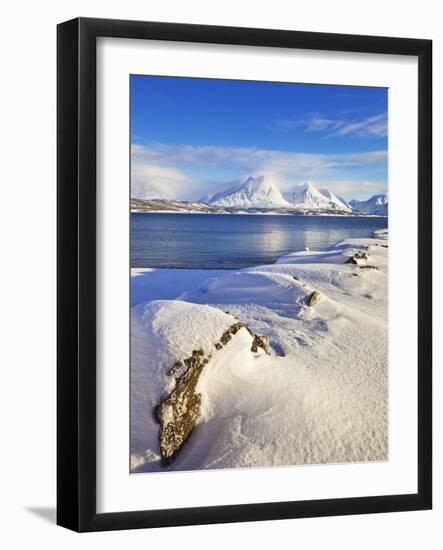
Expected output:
(254, 181)
(259, 192)
(309, 187)
(307, 196)
(255, 192)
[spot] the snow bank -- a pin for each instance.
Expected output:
(166, 284)
(321, 394)
(249, 287)
(162, 333)
(381, 233)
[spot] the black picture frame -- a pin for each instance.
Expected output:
(76, 282)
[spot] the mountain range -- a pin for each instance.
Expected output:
(259, 193)
(378, 204)
(256, 192)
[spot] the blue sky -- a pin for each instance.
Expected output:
(192, 137)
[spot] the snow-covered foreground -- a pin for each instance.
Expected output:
(319, 396)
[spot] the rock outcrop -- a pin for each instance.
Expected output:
(260, 342)
(356, 258)
(313, 298)
(177, 414)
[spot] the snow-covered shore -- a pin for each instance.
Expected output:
(318, 396)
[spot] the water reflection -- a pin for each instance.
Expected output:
(235, 241)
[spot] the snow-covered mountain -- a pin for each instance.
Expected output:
(377, 204)
(260, 192)
(255, 192)
(148, 191)
(307, 196)
(336, 199)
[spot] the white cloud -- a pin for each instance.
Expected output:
(162, 169)
(303, 164)
(149, 181)
(354, 189)
(318, 124)
(375, 126)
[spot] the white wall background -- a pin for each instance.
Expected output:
(27, 276)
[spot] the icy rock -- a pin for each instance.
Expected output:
(314, 298)
(227, 335)
(355, 258)
(178, 413)
(260, 342)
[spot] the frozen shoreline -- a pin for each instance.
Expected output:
(320, 396)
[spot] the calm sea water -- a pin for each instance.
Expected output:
(199, 241)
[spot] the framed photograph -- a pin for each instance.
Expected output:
(244, 274)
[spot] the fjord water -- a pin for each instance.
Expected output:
(230, 241)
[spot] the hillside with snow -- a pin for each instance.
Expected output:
(377, 204)
(279, 364)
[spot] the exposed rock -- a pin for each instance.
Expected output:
(226, 336)
(354, 259)
(175, 369)
(314, 298)
(260, 342)
(368, 267)
(177, 414)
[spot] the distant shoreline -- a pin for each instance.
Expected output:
(264, 213)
